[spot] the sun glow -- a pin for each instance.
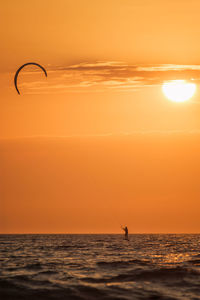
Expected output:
(178, 90)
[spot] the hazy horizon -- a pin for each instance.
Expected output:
(96, 184)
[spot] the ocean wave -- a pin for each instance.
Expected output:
(162, 274)
(34, 266)
(195, 262)
(119, 263)
(9, 291)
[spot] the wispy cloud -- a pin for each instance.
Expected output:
(133, 134)
(105, 75)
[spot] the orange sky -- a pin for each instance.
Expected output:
(96, 144)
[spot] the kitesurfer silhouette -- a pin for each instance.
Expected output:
(125, 232)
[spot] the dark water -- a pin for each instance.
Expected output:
(99, 267)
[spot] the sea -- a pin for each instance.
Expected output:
(99, 266)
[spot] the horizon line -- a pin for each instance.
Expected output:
(87, 233)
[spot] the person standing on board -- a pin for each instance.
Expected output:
(125, 232)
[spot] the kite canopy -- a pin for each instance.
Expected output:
(17, 73)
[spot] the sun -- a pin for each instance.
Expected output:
(178, 90)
